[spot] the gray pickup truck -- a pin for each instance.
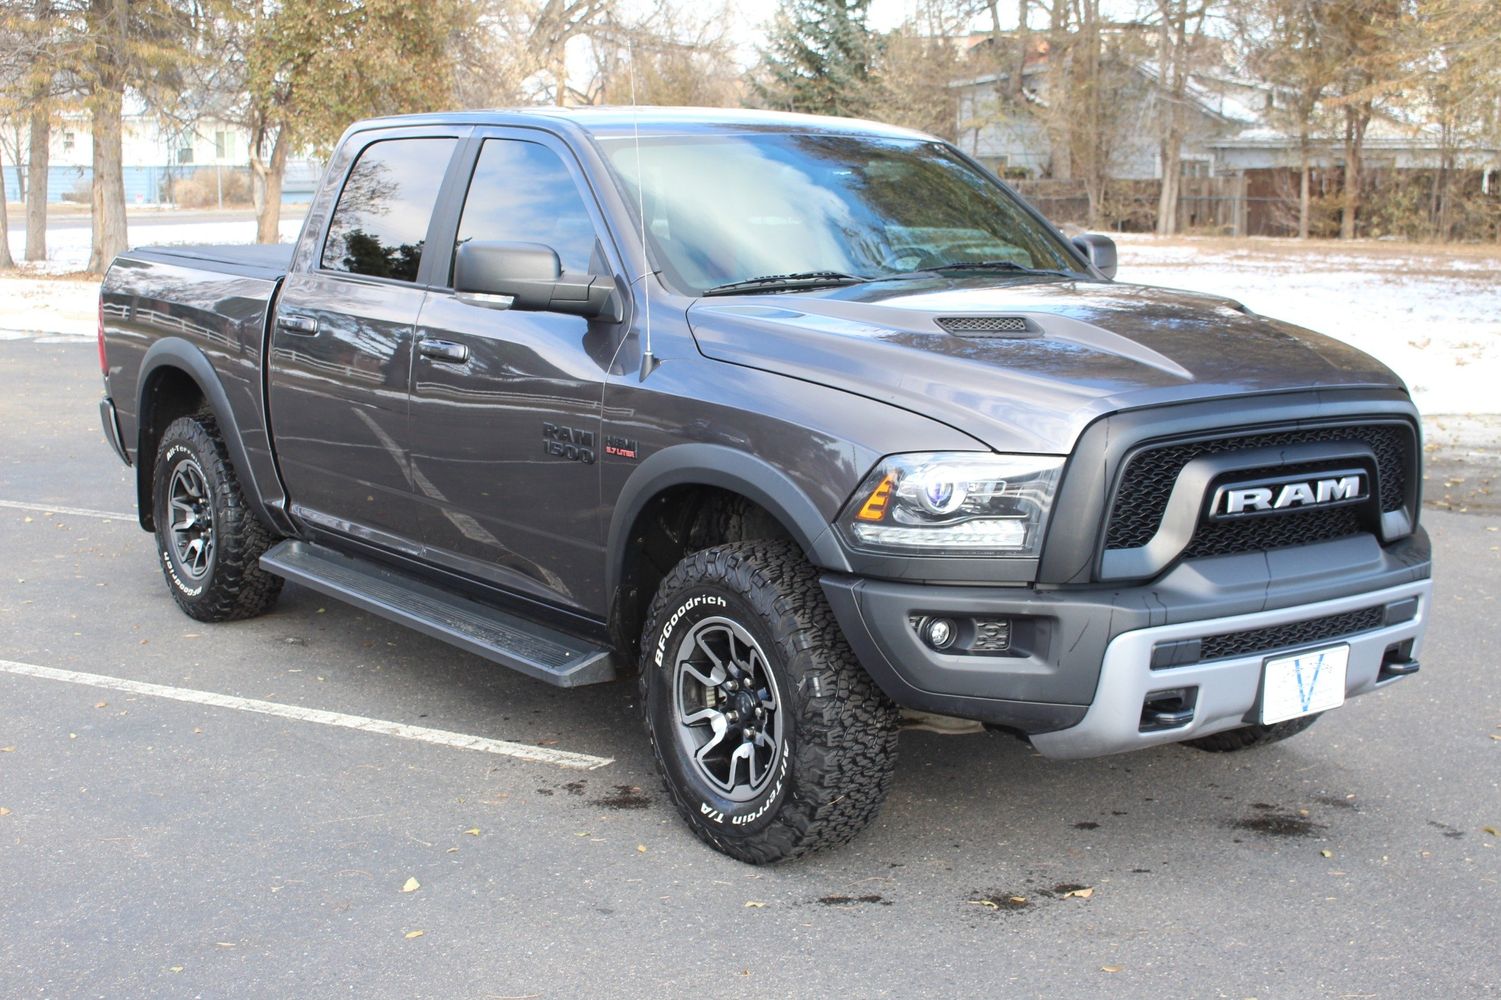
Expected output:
(811, 423)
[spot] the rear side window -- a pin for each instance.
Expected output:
(521, 192)
(380, 222)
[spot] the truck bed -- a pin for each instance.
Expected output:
(251, 260)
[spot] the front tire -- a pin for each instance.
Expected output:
(208, 541)
(770, 737)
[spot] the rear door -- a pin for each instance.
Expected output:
(341, 351)
(506, 438)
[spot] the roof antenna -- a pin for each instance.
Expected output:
(649, 361)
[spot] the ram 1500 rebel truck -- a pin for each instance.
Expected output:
(807, 421)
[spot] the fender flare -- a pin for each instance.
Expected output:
(730, 469)
(175, 352)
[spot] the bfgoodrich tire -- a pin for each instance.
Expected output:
(771, 739)
(207, 540)
(1252, 736)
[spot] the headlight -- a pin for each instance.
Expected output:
(953, 503)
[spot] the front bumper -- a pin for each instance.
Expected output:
(1227, 692)
(1079, 656)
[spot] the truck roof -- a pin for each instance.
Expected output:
(653, 121)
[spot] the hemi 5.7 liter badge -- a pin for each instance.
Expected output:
(1270, 496)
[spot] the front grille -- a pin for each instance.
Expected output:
(1275, 637)
(985, 326)
(1150, 474)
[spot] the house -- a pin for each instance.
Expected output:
(1236, 140)
(154, 155)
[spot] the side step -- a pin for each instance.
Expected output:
(535, 650)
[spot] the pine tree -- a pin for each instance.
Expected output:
(818, 58)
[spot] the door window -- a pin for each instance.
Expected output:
(522, 192)
(381, 220)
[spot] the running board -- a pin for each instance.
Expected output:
(535, 650)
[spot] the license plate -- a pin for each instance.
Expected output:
(1300, 685)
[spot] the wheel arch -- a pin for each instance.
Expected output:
(177, 379)
(700, 474)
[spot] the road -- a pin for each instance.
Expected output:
(158, 847)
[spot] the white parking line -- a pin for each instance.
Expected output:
(459, 741)
(44, 508)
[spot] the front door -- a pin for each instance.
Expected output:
(506, 406)
(341, 351)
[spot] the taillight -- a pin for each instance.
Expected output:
(103, 361)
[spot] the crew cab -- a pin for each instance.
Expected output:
(811, 424)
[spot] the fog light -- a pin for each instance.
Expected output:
(939, 633)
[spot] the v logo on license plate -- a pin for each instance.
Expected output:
(1305, 694)
(1305, 683)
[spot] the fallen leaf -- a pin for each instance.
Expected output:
(414, 934)
(547, 743)
(473, 831)
(1491, 830)
(988, 904)
(72, 736)
(4, 811)
(1017, 900)
(1084, 893)
(1326, 854)
(7, 749)
(751, 904)
(452, 850)
(1303, 813)
(175, 968)
(411, 885)
(225, 944)
(102, 704)
(197, 730)
(1496, 736)
(1110, 968)
(640, 848)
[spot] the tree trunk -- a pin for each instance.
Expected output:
(1171, 151)
(36, 184)
(268, 179)
(1023, 38)
(7, 263)
(1356, 119)
(109, 232)
(1303, 180)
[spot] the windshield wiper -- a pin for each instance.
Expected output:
(998, 265)
(800, 281)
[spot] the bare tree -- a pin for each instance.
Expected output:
(1180, 28)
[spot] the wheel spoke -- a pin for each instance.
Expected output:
(713, 716)
(742, 752)
(713, 678)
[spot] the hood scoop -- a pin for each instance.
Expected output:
(989, 326)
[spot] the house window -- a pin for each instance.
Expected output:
(69, 141)
(185, 154)
(221, 145)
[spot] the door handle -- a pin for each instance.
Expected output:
(443, 350)
(305, 325)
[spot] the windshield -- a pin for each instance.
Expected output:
(723, 209)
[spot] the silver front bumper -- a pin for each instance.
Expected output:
(1228, 690)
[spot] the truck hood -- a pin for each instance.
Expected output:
(1089, 348)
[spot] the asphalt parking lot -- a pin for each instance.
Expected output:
(157, 847)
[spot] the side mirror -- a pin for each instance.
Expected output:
(529, 277)
(1100, 250)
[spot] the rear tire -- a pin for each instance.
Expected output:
(1252, 736)
(208, 541)
(770, 737)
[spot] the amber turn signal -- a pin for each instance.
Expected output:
(874, 508)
